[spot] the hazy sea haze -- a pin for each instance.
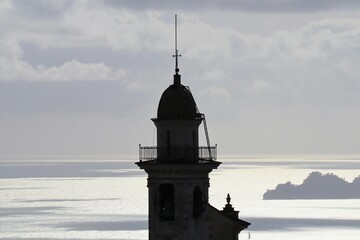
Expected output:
(106, 198)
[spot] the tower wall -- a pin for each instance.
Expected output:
(177, 139)
(190, 207)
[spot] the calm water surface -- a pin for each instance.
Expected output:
(81, 199)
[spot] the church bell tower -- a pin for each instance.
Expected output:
(178, 168)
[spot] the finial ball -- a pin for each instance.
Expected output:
(177, 70)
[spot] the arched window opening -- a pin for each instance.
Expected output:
(165, 202)
(199, 202)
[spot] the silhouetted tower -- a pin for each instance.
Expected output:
(178, 173)
(178, 168)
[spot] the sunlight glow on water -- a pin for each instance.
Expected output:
(107, 200)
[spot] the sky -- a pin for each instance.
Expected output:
(83, 78)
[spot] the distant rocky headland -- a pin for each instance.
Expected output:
(317, 186)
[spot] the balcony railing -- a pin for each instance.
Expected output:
(147, 153)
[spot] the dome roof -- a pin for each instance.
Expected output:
(177, 102)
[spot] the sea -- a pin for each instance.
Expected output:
(105, 197)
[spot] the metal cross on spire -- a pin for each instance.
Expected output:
(176, 55)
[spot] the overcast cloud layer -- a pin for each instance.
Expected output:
(240, 5)
(85, 77)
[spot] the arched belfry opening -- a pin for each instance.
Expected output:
(199, 202)
(177, 167)
(165, 202)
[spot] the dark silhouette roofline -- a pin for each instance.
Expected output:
(243, 223)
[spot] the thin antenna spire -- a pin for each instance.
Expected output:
(176, 55)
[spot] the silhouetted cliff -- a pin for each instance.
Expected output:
(317, 186)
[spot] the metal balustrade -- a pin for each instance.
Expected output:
(147, 153)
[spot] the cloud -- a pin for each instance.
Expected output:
(13, 67)
(90, 24)
(240, 5)
(94, 24)
(214, 76)
(259, 85)
(203, 41)
(83, 24)
(5, 5)
(295, 65)
(69, 71)
(318, 39)
(219, 92)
